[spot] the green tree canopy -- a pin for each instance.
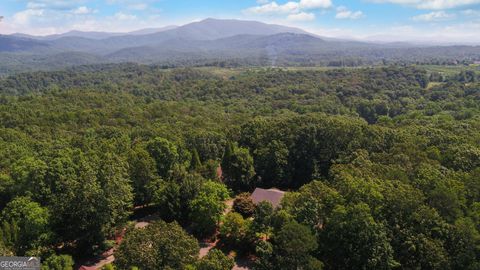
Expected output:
(243, 204)
(353, 239)
(166, 155)
(215, 260)
(32, 221)
(293, 246)
(58, 262)
(237, 167)
(143, 171)
(208, 206)
(234, 230)
(160, 245)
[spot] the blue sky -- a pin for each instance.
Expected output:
(447, 20)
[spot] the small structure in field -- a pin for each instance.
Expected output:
(273, 196)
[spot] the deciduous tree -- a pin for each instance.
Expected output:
(160, 245)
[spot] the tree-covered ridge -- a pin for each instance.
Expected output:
(381, 164)
(368, 92)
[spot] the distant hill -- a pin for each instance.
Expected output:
(17, 63)
(73, 33)
(107, 43)
(148, 31)
(97, 35)
(212, 42)
(239, 46)
(20, 44)
(211, 29)
(81, 34)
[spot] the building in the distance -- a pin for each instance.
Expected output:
(273, 196)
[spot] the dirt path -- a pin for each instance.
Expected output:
(205, 247)
(108, 256)
(101, 263)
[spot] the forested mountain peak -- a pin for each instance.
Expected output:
(215, 28)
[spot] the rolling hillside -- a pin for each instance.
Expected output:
(214, 42)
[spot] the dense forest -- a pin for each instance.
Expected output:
(284, 53)
(381, 166)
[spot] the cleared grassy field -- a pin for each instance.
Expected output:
(433, 84)
(444, 70)
(449, 70)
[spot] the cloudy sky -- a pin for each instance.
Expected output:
(389, 20)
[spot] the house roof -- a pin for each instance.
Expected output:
(273, 196)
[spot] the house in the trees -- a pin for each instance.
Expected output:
(273, 196)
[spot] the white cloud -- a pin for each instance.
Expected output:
(274, 8)
(314, 4)
(54, 4)
(454, 33)
(295, 10)
(471, 12)
(345, 13)
(133, 4)
(25, 16)
(54, 21)
(124, 17)
(431, 4)
(291, 7)
(83, 10)
(302, 16)
(35, 5)
(138, 6)
(434, 16)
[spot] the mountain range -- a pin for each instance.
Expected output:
(210, 41)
